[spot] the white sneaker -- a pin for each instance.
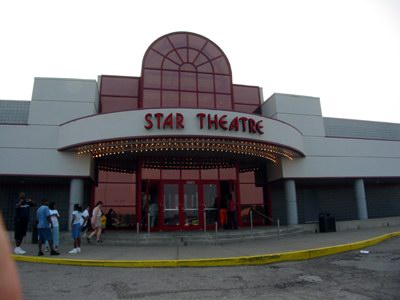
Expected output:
(19, 251)
(78, 249)
(73, 251)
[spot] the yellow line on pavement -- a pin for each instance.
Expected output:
(214, 262)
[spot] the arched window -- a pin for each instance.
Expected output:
(184, 69)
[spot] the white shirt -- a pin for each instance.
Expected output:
(54, 217)
(77, 215)
(85, 216)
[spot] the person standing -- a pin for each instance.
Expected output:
(153, 210)
(96, 222)
(109, 218)
(76, 228)
(223, 214)
(22, 212)
(232, 213)
(44, 226)
(54, 216)
(85, 222)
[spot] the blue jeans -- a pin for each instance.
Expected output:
(45, 234)
(76, 231)
(56, 237)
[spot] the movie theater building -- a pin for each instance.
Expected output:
(182, 138)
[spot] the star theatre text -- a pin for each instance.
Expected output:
(205, 121)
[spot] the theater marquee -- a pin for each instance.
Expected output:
(205, 121)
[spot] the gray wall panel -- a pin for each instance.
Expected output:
(65, 89)
(34, 137)
(14, 112)
(43, 162)
(53, 191)
(338, 201)
(56, 112)
(383, 200)
(278, 204)
(361, 129)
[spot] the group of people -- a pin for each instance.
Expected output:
(47, 224)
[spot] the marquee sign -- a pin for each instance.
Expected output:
(205, 121)
(140, 128)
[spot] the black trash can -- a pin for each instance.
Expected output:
(330, 223)
(34, 234)
(323, 226)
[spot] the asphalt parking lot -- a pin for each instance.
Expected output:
(351, 275)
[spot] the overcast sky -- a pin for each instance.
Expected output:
(345, 52)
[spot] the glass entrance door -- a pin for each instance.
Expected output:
(191, 205)
(180, 205)
(210, 203)
(172, 206)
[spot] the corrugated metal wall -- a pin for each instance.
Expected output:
(36, 191)
(382, 201)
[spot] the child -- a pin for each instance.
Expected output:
(85, 222)
(76, 228)
(54, 216)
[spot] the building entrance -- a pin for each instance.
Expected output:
(182, 204)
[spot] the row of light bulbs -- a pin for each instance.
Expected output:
(187, 163)
(266, 151)
(176, 164)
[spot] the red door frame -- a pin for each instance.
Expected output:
(234, 189)
(149, 183)
(181, 216)
(162, 205)
(200, 189)
(201, 196)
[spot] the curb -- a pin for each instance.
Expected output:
(214, 262)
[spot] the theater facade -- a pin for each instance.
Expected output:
(167, 149)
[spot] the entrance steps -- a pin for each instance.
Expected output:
(185, 238)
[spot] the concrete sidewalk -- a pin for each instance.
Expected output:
(250, 252)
